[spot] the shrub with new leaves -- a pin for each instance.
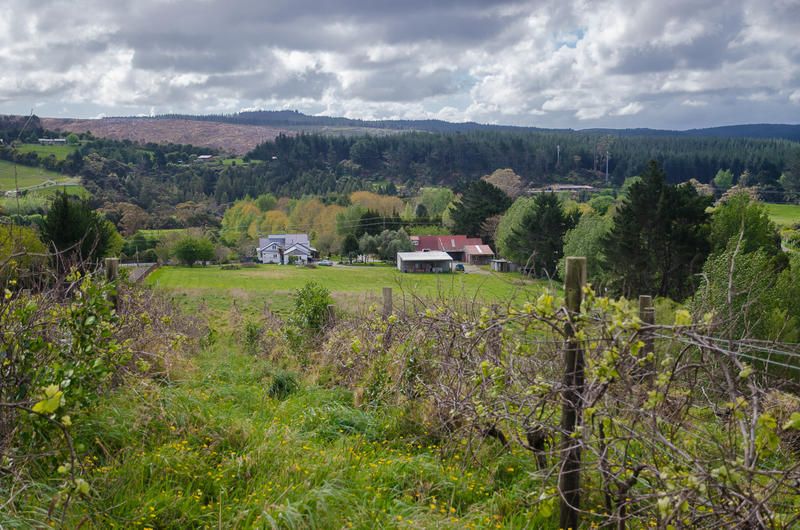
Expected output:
(311, 307)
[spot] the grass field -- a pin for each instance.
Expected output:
(213, 449)
(59, 151)
(784, 214)
(28, 176)
(273, 284)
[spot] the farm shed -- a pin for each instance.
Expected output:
(433, 261)
(478, 254)
(502, 265)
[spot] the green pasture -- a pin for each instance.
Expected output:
(233, 161)
(784, 214)
(352, 287)
(59, 151)
(27, 176)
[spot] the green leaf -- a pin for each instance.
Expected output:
(51, 402)
(793, 423)
(81, 486)
(683, 318)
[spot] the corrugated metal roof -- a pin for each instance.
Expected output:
(479, 249)
(433, 255)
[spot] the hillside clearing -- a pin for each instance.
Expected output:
(59, 151)
(784, 214)
(27, 176)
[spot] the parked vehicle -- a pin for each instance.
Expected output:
(459, 267)
(325, 263)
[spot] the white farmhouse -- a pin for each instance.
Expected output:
(285, 249)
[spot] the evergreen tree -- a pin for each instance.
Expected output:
(660, 238)
(81, 235)
(350, 247)
(538, 240)
(480, 201)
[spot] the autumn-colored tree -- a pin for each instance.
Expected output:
(273, 221)
(506, 180)
(237, 223)
(383, 204)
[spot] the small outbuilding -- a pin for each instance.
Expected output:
(502, 265)
(433, 261)
(478, 254)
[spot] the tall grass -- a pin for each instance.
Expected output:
(214, 449)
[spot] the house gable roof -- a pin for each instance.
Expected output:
(478, 250)
(300, 248)
(285, 241)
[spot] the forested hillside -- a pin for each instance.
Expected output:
(540, 157)
(164, 178)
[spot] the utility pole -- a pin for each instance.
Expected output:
(607, 157)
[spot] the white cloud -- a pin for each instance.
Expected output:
(553, 63)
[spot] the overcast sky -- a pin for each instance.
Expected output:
(566, 63)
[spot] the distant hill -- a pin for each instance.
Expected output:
(295, 119)
(241, 132)
(756, 130)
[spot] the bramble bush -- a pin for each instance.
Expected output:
(690, 433)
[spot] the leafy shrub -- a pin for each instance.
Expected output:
(58, 358)
(307, 319)
(311, 307)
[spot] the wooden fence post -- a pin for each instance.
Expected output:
(112, 272)
(569, 479)
(387, 302)
(330, 315)
(647, 314)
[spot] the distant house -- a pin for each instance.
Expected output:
(285, 249)
(428, 261)
(478, 254)
(52, 141)
(205, 158)
(455, 246)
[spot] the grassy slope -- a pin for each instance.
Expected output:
(28, 176)
(60, 151)
(213, 449)
(784, 214)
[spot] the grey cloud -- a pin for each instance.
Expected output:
(498, 61)
(405, 85)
